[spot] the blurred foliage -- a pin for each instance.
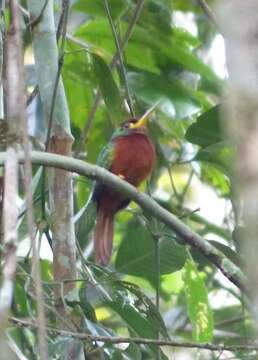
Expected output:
(164, 61)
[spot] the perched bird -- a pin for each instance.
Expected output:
(130, 154)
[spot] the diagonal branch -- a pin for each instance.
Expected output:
(216, 257)
(208, 11)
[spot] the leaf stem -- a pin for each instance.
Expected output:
(120, 57)
(157, 265)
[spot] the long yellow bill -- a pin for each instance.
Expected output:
(144, 118)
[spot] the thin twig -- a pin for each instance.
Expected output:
(63, 24)
(34, 22)
(120, 57)
(52, 108)
(157, 259)
(63, 28)
(129, 31)
(32, 95)
(124, 41)
(138, 340)
(208, 11)
(187, 185)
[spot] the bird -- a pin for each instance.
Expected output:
(130, 154)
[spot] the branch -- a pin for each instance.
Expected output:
(138, 340)
(216, 257)
(208, 11)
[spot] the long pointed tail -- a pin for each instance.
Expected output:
(103, 237)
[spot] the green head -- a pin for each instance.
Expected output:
(134, 125)
(131, 126)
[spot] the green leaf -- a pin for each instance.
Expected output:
(215, 176)
(133, 352)
(86, 306)
(156, 15)
(96, 7)
(136, 254)
(178, 101)
(63, 345)
(228, 252)
(140, 314)
(20, 297)
(198, 307)
(98, 34)
(219, 154)
(206, 130)
(108, 88)
(84, 221)
(223, 318)
(153, 49)
(184, 56)
(182, 35)
(46, 270)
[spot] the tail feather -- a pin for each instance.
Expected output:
(103, 237)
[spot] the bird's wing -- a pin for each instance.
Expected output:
(105, 160)
(106, 156)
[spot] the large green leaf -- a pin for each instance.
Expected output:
(108, 88)
(98, 34)
(96, 7)
(178, 101)
(79, 82)
(63, 345)
(137, 311)
(131, 305)
(219, 154)
(206, 130)
(165, 49)
(198, 307)
(215, 176)
(136, 254)
(156, 15)
(185, 57)
(229, 253)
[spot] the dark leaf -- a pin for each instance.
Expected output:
(136, 254)
(108, 89)
(96, 7)
(206, 130)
